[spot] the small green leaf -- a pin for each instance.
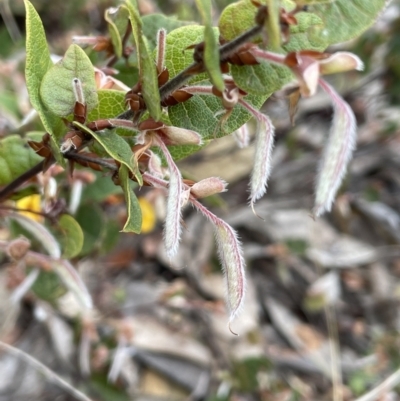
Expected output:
(72, 236)
(177, 54)
(200, 114)
(211, 46)
(15, 158)
(48, 286)
(272, 24)
(147, 67)
(134, 222)
(344, 20)
(116, 147)
(117, 18)
(38, 62)
(92, 220)
(266, 77)
(56, 89)
(153, 22)
(110, 103)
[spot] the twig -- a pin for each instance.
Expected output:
(17, 209)
(13, 185)
(225, 51)
(83, 157)
(45, 371)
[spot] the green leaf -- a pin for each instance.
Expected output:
(110, 103)
(72, 236)
(147, 67)
(344, 20)
(56, 89)
(211, 46)
(15, 158)
(153, 22)
(48, 286)
(99, 190)
(116, 147)
(134, 222)
(265, 77)
(117, 18)
(92, 220)
(38, 62)
(177, 54)
(273, 27)
(199, 114)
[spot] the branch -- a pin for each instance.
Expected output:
(13, 185)
(225, 51)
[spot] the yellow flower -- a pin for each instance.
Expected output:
(31, 202)
(148, 215)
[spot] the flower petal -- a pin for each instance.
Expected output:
(337, 152)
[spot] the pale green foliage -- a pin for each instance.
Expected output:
(38, 62)
(51, 90)
(110, 104)
(134, 220)
(117, 19)
(56, 89)
(211, 46)
(116, 147)
(72, 236)
(15, 158)
(147, 68)
(344, 20)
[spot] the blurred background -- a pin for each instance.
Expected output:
(321, 317)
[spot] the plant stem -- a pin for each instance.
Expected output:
(13, 185)
(225, 51)
(45, 371)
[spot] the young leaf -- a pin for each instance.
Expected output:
(337, 152)
(211, 46)
(147, 68)
(134, 222)
(355, 17)
(117, 19)
(56, 90)
(116, 147)
(153, 22)
(38, 62)
(15, 158)
(72, 239)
